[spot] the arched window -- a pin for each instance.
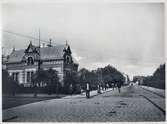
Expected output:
(30, 61)
(68, 59)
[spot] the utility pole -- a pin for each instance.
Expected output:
(39, 61)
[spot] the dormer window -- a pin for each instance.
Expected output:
(30, 61)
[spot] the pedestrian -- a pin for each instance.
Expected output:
(98, 89)
(107, 85)
(113, 85)
(87, 90)
(71, 89)
(119, 83)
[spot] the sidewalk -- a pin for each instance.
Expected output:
(40, 95)
(83, 95)
(8, 114)
(159, 92)
(92, 93)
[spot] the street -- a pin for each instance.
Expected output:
(134, 103)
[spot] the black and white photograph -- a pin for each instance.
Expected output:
(83, 61)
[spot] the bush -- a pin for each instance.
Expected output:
(9, 86)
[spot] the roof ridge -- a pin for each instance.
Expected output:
(41, 47)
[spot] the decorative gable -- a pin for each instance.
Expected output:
(31, 53)
(67, 54)
(31, 48)
(67, 49)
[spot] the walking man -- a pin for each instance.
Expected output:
(87, 90)
(98, 89)
(119, 83)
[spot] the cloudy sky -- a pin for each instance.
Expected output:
(128, 36)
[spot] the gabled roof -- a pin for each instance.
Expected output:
(16, 56)
(55, 52)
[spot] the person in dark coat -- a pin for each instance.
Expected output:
(119, 84)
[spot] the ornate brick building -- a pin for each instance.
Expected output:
(21, 64)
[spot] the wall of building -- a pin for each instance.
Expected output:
(22, 69)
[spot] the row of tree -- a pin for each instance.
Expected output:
(101, 76)
(157, 80)
(73, 82)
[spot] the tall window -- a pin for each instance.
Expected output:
(23, 76)
(30, 61)
(15, 76)
(29, 76)
(68, 59)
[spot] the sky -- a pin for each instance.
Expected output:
(128, 36)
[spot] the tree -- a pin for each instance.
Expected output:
(39, 78)
(86, 76)
(53, 81)
(48, 78)
(83, 77)
(112, 75)
(100, 76)
(9, 86)
(157, 80)
(71, 81)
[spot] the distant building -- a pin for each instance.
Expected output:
(21, 64)
(138, 79)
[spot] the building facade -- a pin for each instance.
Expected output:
(22, 64)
